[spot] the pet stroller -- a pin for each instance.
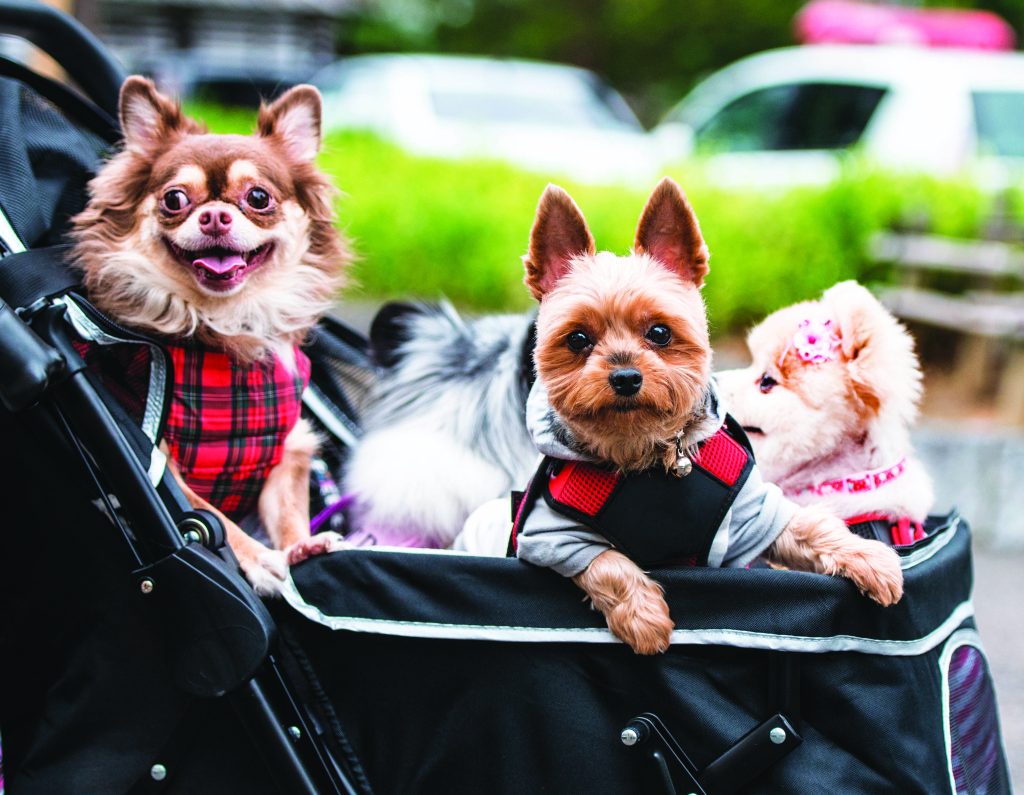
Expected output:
(134, 658)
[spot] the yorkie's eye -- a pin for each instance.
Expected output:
(175, 200)
(578, 342)
(658, 334)
(767, 383)
(258, 199)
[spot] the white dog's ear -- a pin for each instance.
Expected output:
(147, 116)
(559, 234)
(669, 232)
(294, 120)
(877, 350)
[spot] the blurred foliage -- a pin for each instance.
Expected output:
(428, 227)
(651, 50)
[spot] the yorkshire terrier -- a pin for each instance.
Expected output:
(828, 402)
(642, 466)
(223, 247)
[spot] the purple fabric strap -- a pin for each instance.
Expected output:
(341, 504)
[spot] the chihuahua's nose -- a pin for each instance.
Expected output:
(214, 222)
(626, 382)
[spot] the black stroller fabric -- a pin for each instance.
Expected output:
(450, 673)
(45, 163)
(87, 698)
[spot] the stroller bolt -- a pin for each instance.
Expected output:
(777, 735)
(158, 772)
(193, 537)
(146, 586)
(629, 736)
(294, 732)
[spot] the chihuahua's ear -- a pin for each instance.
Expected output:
(147, 116)
(668, 231)
(559, 233)
(294, 120)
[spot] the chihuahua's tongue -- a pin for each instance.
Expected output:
(220, 265)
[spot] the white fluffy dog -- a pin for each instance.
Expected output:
(828, 402)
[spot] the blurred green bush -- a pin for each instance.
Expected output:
(427, 227)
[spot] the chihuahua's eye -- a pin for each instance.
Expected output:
(258, 199)
(578, 342)
(767, 383)
(175, 200)
(660, 335)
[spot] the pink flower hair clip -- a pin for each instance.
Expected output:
(814, 342)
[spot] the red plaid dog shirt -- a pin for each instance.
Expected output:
(228, 422)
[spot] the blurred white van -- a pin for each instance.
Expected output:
(545, 117)
(787, 116)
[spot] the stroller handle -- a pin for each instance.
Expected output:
(27, 364)
(70, 44)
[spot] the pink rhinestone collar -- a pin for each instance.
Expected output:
(856, 483)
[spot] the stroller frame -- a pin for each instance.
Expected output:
(181, 554)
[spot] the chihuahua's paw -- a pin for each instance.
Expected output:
(875, 569)
(642, 621)
(320, 544)
(267, 572)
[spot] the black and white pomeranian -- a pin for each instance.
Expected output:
(444, 428)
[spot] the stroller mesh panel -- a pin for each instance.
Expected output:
(354, 381)
(973, 727)
(722, 457)
(584, 488)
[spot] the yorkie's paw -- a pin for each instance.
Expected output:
(875, 569)
(642, 622)
(267, 572)
(632, 603)
(320, 544)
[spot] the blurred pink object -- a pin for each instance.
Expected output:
(846, 22)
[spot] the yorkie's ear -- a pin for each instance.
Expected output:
(668, 231)
(559, 233)
(294, 120)
(147, 116)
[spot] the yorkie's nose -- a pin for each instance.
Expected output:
(214, 222)
(626, 382)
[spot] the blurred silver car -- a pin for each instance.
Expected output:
(545, 117)
(786, 116)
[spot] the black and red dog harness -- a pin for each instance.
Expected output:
(653, 517)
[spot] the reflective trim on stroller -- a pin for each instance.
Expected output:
(9, 239)
(155, 399)
(740, 639)
(544, 615)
